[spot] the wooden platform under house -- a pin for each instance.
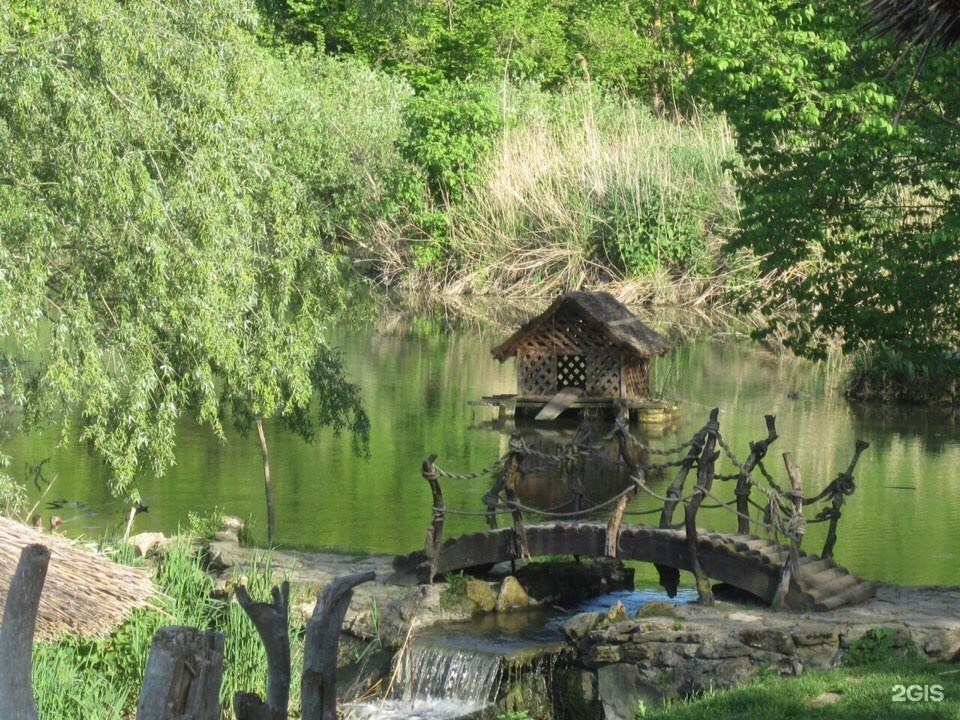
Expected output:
(586, 353)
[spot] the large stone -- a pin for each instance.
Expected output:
(717, 648)
(621, 687)
(146, 542)
(616, 614)
(762, 638)
(816, 635)
(580, 625)
(512, 595)
(479, 594)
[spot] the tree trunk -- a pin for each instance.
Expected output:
(183, 675)
(270, 620)
(16, 634)
(267, 487)
(318, 688)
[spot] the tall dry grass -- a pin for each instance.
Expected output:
(582, 189)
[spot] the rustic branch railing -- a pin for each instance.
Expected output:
(781, 511)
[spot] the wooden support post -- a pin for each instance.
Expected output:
(842, 486)
(183, 675)
(318, 687)
(670, 576)
(795, 530)
(16, 634)
(637, 477)
(270, 620)
(435, 531)
(519, 534)
(705, 470)
(757, 452)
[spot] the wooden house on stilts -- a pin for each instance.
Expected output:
(586, 351)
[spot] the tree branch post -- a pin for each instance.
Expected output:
(795, 531)
(510, 491)
(757, 452)
(431, 545)
(271, 621)
(705, 470)
(16, 634)
(636, 476)
(842, 486)
(318, 689)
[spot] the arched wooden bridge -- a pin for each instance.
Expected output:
(777, 572)
(749, 562)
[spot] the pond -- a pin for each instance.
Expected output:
(902, 524)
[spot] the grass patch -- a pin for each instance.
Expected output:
(857, 692)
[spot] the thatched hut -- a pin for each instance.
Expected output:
(85, 593)
(587, 344)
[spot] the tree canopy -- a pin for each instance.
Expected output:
(175, 209)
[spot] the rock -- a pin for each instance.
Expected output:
(226, 536)
(657, 608)
(580, 625)
(816, 635)
(717, 648)
(232, 523)
(512, 595)
(621, 687)
(604, 654)
(616, 614)
(762, 638)
(579, 694)
(479, 594)
(146, 542)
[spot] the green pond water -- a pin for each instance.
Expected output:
(902, 524)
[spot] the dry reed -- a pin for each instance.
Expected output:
(85, 593)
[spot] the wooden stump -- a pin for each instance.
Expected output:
(183, 675)
(270, 620)
(318, 688)
(16, 634)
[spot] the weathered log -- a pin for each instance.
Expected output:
(270, 620)
(796, 530)
(434, 537)
(842, 486)
(16, 634)
(510, 490)
(318, 689)
(670, 576)
(637, 478)
(183, 675)
(708, 459)
(757, 452)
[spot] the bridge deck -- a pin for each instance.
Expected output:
(748, 562)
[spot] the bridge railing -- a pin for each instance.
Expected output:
(779, 512)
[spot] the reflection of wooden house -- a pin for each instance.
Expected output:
(586, 350)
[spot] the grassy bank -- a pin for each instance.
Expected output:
(857, 692)
(578, 187)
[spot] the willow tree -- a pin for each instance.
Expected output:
(175, 206)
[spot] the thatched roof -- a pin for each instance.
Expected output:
(84, 593)
(619, 325)
(919, 22)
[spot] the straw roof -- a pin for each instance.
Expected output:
(84, 593)
(920, 22)
(619, 325)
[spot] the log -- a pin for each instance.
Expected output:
(183, 675)
(270, 620)
(510, 491)
(757, 452)
(705, 470)
(16, 634)
(434, 539)
(793, 559)
(637, 478)
(318, 688)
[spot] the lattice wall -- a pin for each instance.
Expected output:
(635, 378)
(578, 350)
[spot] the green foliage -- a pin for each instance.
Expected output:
(176, 210)
(515, 715)
(204, 525)
(876, 646)
(455, 589)
(887, 376)
(850, 183)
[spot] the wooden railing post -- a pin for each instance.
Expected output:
(795, 531)
(842, 486)
(637, 477)
(757, 452)
(16, 634)
(705, 473)
(521, 547)
(435, 531)
(670, 576)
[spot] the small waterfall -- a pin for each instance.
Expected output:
(436, 682)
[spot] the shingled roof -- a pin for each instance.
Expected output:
(621, 326)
